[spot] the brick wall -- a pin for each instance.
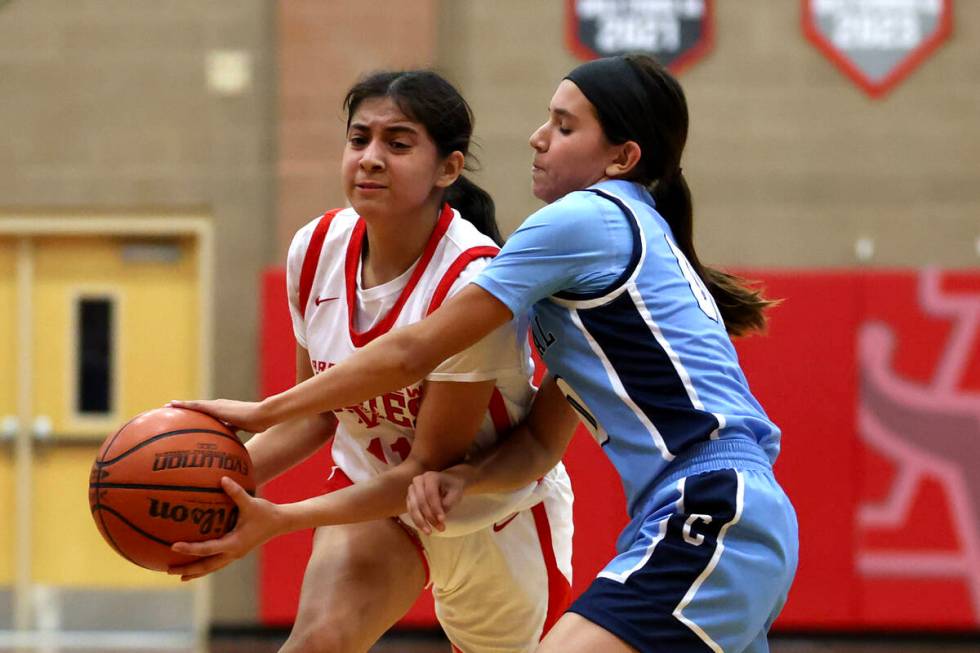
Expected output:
(788, 160)
(106, 109)
(324, 47)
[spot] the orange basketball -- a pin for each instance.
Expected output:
(157, 480)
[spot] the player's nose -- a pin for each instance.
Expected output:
(372, 158)
(537, 140)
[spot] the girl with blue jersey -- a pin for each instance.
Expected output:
(636, 335)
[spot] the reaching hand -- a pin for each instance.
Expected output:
(245, 415)
(258, 521)
(430, 496)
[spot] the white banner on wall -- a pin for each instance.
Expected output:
(877, 42)
(675, 32)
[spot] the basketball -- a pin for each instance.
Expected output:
(157, 480)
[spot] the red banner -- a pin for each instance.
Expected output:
(874, 378)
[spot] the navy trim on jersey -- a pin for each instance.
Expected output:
(645, 609)
(647, 372)
(634, 256)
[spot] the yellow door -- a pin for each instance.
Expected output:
(116, 332)
(114, 329)
(8, 405)
(93, 330)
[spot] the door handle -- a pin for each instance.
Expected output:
(41, 428)
(8, 428)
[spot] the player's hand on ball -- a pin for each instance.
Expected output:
(244, 415)
(258, 521)
(430, 496)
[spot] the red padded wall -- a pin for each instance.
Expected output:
(874, 378)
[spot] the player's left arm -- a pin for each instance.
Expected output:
(449, 417)
(531, 449)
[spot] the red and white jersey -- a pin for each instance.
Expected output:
(329, 310)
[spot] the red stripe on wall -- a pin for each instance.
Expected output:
(805, 372)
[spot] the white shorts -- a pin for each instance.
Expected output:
(500, 588)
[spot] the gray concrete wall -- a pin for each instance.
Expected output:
(788, 160)
(105, 109)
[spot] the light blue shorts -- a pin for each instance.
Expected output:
(707, 569)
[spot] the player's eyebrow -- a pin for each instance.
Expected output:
(401, 129)
(390, 129)
(560, 112)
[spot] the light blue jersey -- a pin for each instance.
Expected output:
(644, 356)
(638, 347)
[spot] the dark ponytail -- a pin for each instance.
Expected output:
(476, 205)
(427, 98)
(742, 306)
(636, 99)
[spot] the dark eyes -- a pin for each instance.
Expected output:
(357, 140)
(559, 123)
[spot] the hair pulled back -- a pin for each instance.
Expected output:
(657, 120)
(425, 97)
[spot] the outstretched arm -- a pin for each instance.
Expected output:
(528, 453)
(395, 360)
(287, 444)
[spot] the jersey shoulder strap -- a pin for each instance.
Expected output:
(312, 258)
(454, 270)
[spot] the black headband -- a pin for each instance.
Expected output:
(615, 89)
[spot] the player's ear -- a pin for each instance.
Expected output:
(626, 159)
(451, 169)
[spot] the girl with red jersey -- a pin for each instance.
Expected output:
(416, 232)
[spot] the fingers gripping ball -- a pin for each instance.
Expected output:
(157, 480)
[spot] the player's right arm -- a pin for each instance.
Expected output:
(579, 243)
(527, 453)
(289, 443)
(395, 360)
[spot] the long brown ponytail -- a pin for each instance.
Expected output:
(741, 304)
(647, 105)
